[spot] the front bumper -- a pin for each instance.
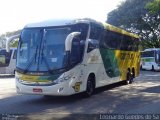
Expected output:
(61, 89)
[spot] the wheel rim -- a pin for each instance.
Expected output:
(128, 81)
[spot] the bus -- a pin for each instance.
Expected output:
(150, 59)
(7, 61)
(66, 57)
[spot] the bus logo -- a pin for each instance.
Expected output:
(124, 56)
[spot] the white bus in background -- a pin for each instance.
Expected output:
(7, 61)
(150, 59)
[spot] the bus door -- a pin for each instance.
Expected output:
(12, 64)
(157, 57)
(76, 57)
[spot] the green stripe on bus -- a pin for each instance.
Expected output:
(50, 78)
(148, 59)
(110, 62)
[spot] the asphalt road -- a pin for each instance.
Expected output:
(141, 97)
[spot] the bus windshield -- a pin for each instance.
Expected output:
(5, 58)
(43, 49)
(158, 59)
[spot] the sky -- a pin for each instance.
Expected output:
(15, 14)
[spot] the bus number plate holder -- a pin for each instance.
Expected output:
(37, 90)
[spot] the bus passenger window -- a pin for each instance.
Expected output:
(5, 58)
(75, 52)
(2, 60)
(92, 44)
(15, 54)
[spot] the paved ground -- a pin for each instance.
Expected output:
(143, 96)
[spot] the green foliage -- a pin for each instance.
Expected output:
(150, 44)
(154, 7)
(134, 16)
(14, 44)
(9, 34)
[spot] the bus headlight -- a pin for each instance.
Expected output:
(59, 80)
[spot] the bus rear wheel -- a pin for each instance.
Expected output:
(133, 73)
(129, 78)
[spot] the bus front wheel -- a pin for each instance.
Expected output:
(153, 68)
(90, 86)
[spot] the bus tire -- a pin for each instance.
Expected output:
(140, 67)
(133, 73)
(153, 68)
(129, 78)
(14, 72)
(90, 86)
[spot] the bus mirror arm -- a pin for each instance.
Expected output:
(69, 39)
(8, 40)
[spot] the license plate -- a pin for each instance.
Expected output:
(39, 90)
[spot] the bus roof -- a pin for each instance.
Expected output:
(118, 30)
(49, 23)
(151, 49)
(56, 22)
(63, 22)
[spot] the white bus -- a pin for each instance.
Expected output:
(66, 57)
(150, 59)
(7, 61)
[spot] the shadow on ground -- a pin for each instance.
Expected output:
(115, 98)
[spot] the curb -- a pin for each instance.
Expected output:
(7, 76)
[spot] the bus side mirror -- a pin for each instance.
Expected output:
(69, 39)
(8, 40)
(68, 45)
(7, 45)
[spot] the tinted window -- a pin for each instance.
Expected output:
(15, 54)
(92, 44)
(111, 40)
(5, 58)
(129, 43)
(147, 54)
(96, 30)
(119, 41)
(83, 28)
(77, 51)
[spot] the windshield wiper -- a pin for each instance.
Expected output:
(31, 62)
(42, 53)
(36, 53)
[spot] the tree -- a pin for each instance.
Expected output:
(8, 34)
(154, 7)
(134, 16)
(14, 43)
(154, 10)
